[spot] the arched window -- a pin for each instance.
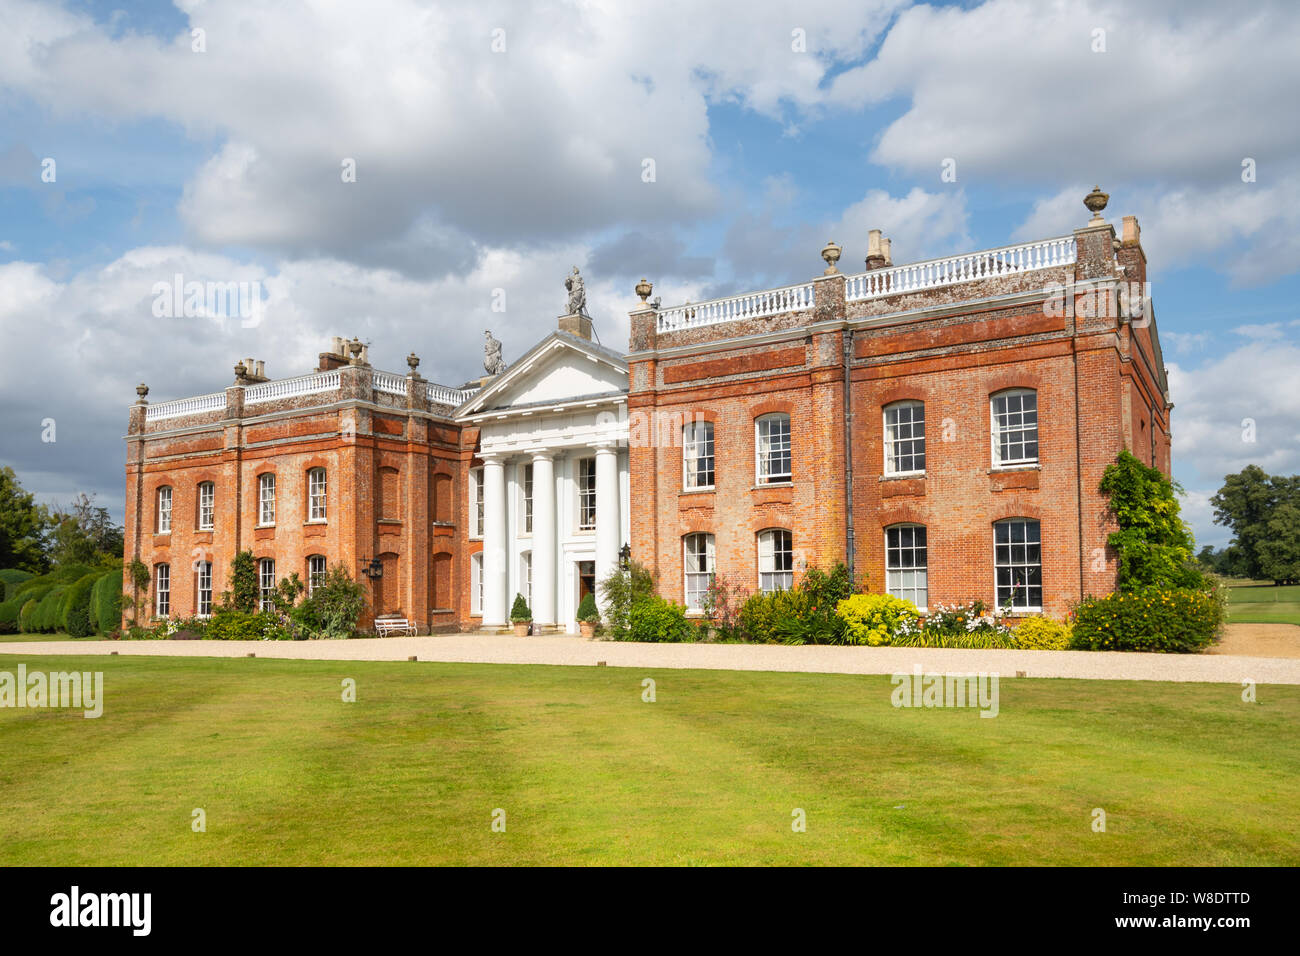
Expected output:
(163, 519)
(162, 589)
(266, 584)
(316, 495)
(905, 563)
(203, 587)
(1014, 418)
(904, 438)
(207, 505)
(775, 560)
(315, 572)
(772, 448)
(266, 499)
(1018, 564)
(697, 455)
(698, 562)
(476, 583)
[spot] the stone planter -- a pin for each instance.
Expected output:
(588, 629)
(522, 628)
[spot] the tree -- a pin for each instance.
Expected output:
(1247, 503)
(1153, 542)
(1279, 552)
(22, 524)
(81, 533)
(245, 591)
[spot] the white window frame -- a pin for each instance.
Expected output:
(903, 433)
(695, 583)
(203, 588)
(526, 576)
(896, 571)
(313, 574)
(1024, 565)
(162, 590)
(476, 503)
(266, 499)
(526, 500)
(775, 563)
(765, 449)
(1000, 426)
(165, 510)
(586, 496)
(317, 496)
(698, 448)
(265, 592)
(476, 583)
(207, 505)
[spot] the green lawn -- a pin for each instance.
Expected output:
(47, 637)
(1259, 602)
(589, 774)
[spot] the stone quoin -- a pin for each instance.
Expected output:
(942, 426)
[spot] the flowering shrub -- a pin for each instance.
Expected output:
(1041, 634)
(724, 599)
(1170, 620)
(876, 619)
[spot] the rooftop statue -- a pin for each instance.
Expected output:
(577, 294)
(493, 363)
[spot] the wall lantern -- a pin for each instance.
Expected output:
(625, 556)
(373, 568)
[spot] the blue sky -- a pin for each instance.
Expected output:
(481, 170)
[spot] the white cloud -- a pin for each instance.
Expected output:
(546, 139)
(1250, 392)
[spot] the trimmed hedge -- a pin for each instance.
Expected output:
(1041, 634)
(106, 602)
(10, 578)
(48, 616)
(76, 607)
(25, 616)
(9, 615)
(1167, 620)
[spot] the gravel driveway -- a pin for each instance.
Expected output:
(507, 649)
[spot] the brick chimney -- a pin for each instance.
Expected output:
(336, 357)
(877, 257)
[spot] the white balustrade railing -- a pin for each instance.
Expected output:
(972, 267)
(751, 305)
(443, 395)
(292, 387)
(389, 382)
(186, 406)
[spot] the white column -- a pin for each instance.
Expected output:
(608, 523)
(544, 578)
(494, 541)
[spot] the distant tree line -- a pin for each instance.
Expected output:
(1263, 512)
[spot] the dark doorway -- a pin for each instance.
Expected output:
(586, 579)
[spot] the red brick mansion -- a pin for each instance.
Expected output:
(941, 426)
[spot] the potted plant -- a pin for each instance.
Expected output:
(520, 616)
(588, 615)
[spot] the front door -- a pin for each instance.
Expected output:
(586, 579)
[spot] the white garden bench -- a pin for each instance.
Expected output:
(386, 626)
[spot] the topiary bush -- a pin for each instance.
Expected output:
(1166, 620)
(588, 613)
(25, 625)
(48, 616)
(876, 619)
(9, 614)
(656, 619)
(106, 602)
(10, 578)
(76, 607)
(1041, 634)
(519, 613)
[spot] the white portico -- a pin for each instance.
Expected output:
(552, 489)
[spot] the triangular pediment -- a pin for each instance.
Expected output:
(561, 368)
